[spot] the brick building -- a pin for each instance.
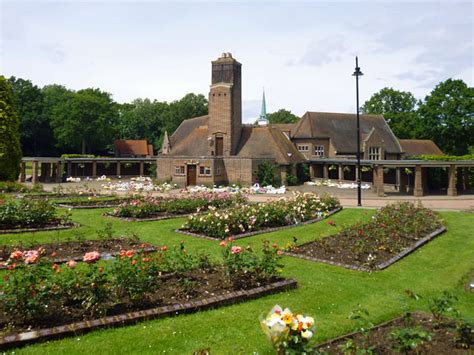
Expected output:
(219, 149)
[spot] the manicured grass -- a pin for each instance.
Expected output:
(328, 293)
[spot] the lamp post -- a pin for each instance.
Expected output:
(358, 73)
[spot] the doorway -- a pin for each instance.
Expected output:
(219, 146)
(191, 175)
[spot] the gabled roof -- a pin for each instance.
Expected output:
(413, 147)
(284, 127)
(341, 129)
(185, 129)
(267, 142)
(131, 147)
(193, 143)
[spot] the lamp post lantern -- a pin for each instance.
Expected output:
(358, 73)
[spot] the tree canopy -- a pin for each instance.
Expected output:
(10, 151)
(282, 116)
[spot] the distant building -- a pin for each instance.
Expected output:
(219, 149)
(133, 148)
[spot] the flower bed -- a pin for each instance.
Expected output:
(73, 250)
(92, 202)
(246, 220)
(395, 231)
(149, 208)
(254, 189)
(29, 215)
(37, 297)
(138, 184)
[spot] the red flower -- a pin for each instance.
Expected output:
(122, 253)
(11, 267)
(279, 252)
(230, 239)
(54, 254)
(134, 262)
(275, 246)
(223, 243)
(143, 245)
(359, 232)
(129, 253)
(55, 267)
(101, 269)
(164, 248)
(331, 223)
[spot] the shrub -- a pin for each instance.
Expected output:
(12, 186)
(266, 173)
(10, 150)
(27, 212)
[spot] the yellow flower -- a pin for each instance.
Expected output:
(307, 334)
(287, 318)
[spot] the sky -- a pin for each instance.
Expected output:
(302, 53)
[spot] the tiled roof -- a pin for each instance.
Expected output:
(413, 147)
(185, 129)
(131, 147)
(341, 129)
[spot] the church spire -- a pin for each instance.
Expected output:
(262, 120)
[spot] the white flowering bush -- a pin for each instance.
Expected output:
(247, 218)
(289, 333)
(138, 184)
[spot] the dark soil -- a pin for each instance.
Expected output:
(75, 250)
(443, 338)
(50, 195)
(151, 216)
(176, 288)
(93, 203)
(5, 228)
(354, 252)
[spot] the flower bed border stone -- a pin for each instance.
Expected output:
(21, 339)
(261, 231)
(43, 229)
(91, 206)
(380, 266)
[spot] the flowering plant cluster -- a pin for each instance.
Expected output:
(150, 206)
(289, 333)
(138, 184)
(27, 212)
(254, 189)
(248, 218)
(239, 261)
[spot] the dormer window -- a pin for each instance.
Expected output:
(303, 148)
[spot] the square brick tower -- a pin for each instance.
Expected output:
(225, 106)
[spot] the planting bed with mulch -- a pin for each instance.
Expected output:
(83, 296)
(439, 338)
(41, 227)
(61, 252)
(92, 203)
(52, 195)
(394, 232)
(261, 231)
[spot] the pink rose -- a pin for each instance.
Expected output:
(30, 256)
(235, 250)
(71, 263)
(91, 257)
(16, 255)
(223, 243)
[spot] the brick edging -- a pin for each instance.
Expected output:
(261, 231)
(51, 228)
(380, 266)
(20, 339)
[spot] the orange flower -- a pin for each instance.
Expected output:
(164, 248)
(223, 243)
(122, 253)
(134, 262)
(129, 253)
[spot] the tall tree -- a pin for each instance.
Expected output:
(36, 134)
(398, 108)
(10, 150)
(86, 122)
(448, 116)
(282, 116)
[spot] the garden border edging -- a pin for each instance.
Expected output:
(45, 229)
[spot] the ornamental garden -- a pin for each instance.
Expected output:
(214, 272)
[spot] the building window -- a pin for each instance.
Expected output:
(218, 171)
(319, 151)
(374, 153)
(303, 147)
(205, 170)
(179, 170)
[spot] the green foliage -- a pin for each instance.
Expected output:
(447, 117)
(302, 172)
(398, 108)
(266, 173)
(26, 212)
(37, 138)
(442, 306)
(409, 338)
(70, 156)
(12, 186)
(464, 334)
(86, 122)
(444, 157)
(10, 150)
(282, 116)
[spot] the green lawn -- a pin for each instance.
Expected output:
(328, 293)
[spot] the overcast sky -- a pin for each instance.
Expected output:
(301, 52)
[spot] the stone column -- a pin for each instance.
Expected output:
(118, 169)
(397, 179)
(94, 168)
(378, 184)
(34, 177)
(452, 191)
(23, 172)
(283, 175)
(340, 172)
(59, 172)
(325, 171)
(418, 189)
(142, 168)
(312, 175)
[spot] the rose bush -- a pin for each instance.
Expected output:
(248, 218)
